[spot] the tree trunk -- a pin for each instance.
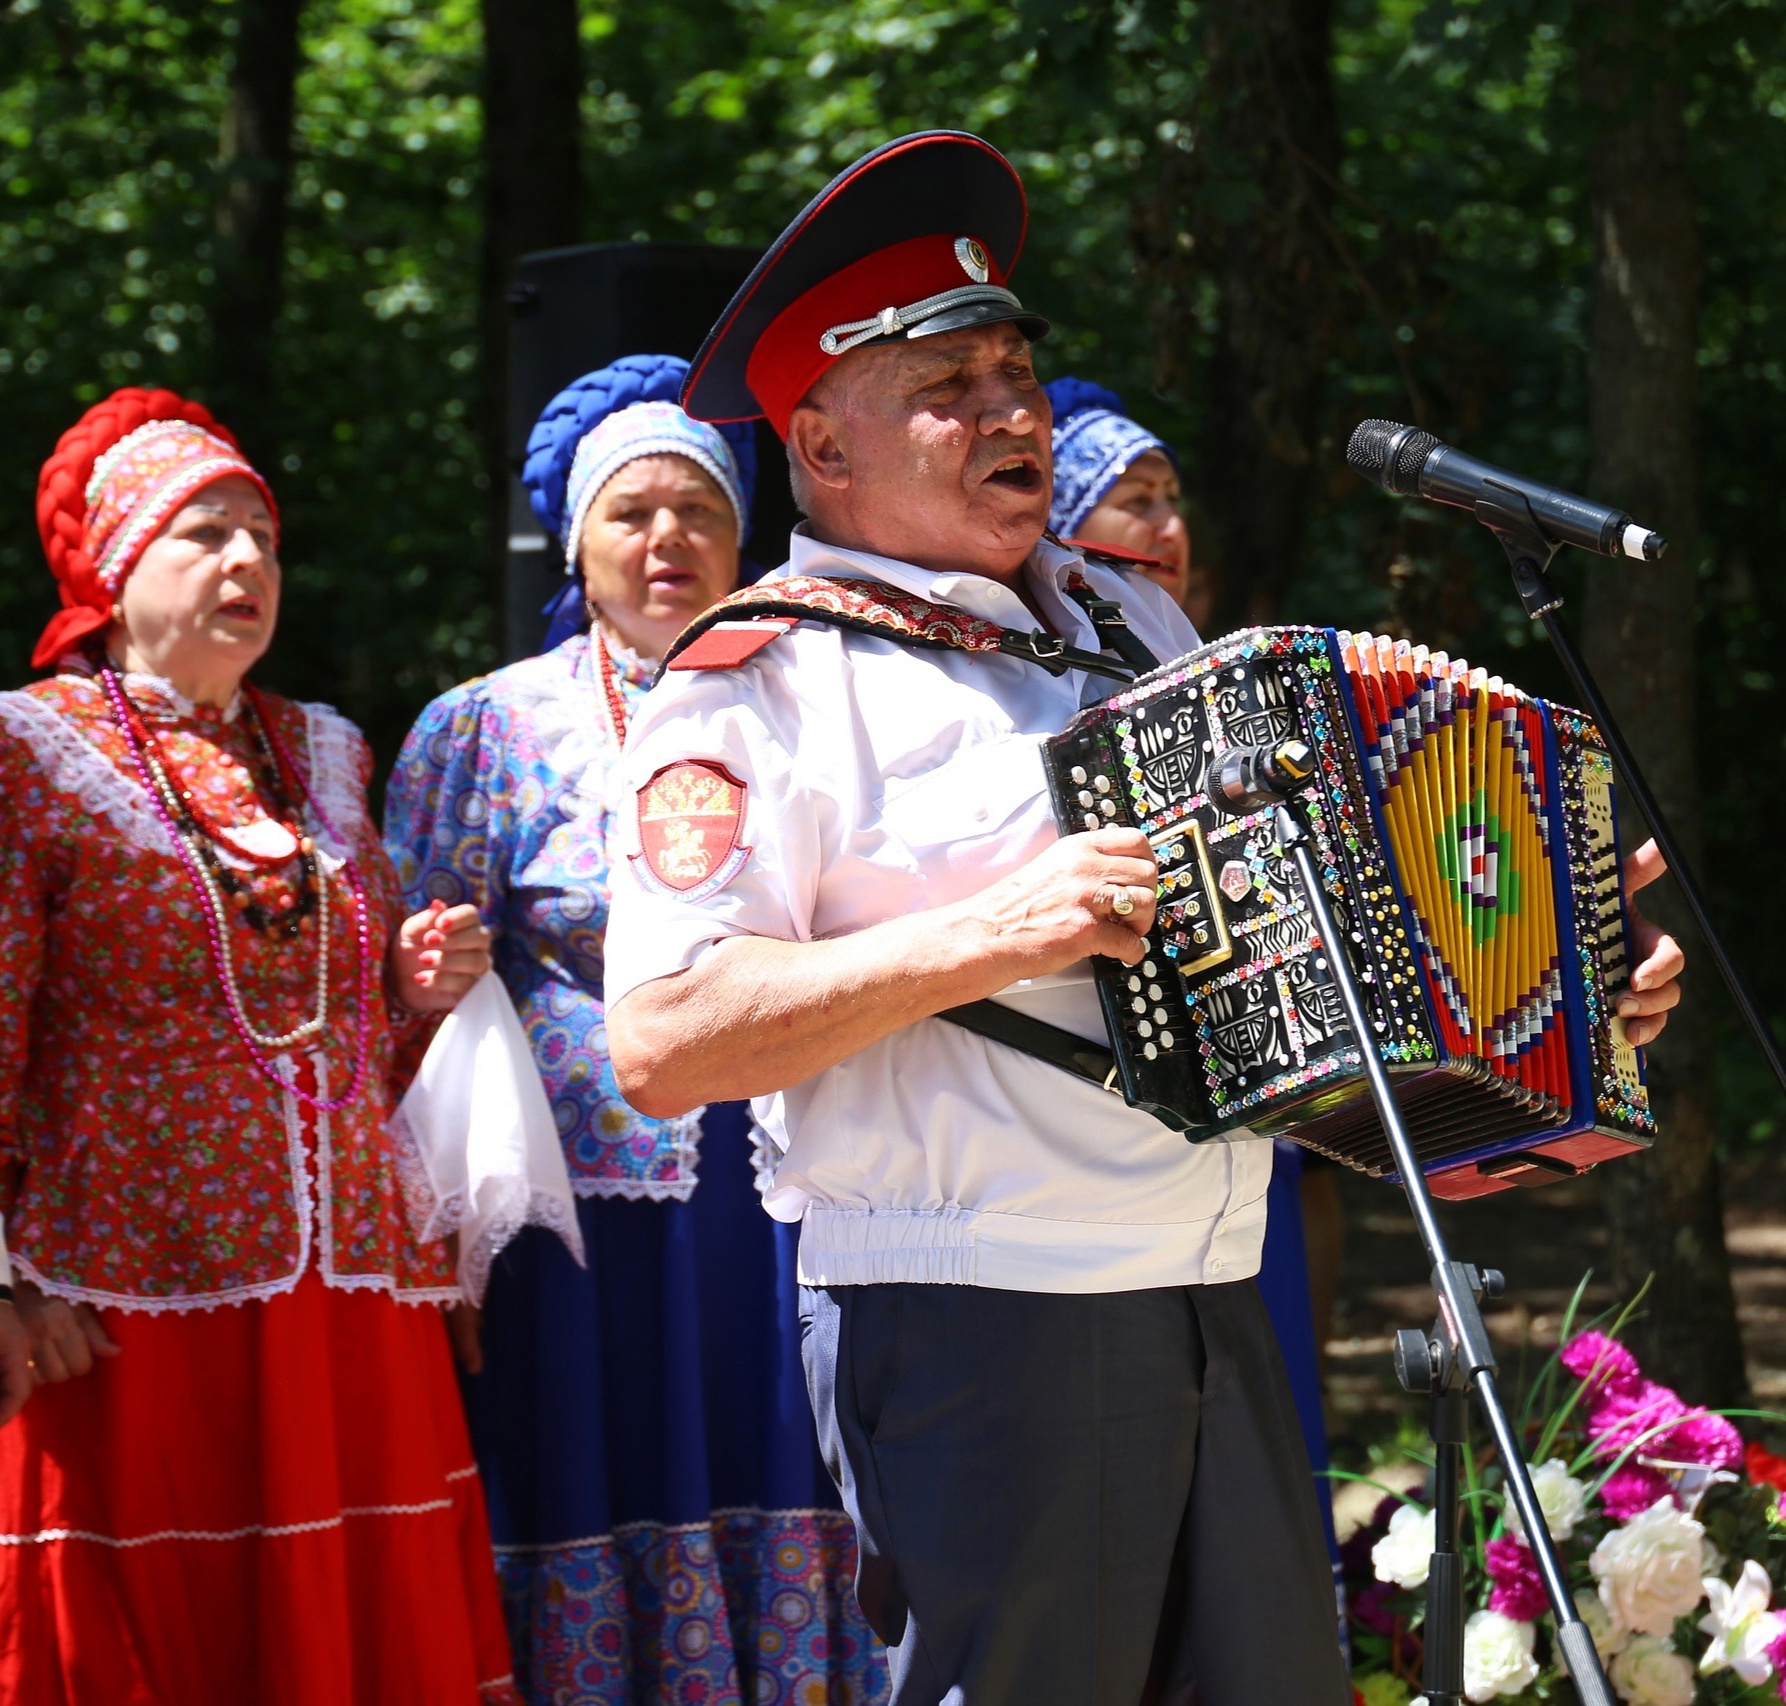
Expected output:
(533, 199)
(1665, 1208)
(1241, 217)
(254, 158)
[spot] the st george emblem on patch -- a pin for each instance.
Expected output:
(691, 814)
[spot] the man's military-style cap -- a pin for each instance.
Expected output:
(915, 238)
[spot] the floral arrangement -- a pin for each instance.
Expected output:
(1670, 1532)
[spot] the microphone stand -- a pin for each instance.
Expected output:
(1529, 552)
(1453, 1363)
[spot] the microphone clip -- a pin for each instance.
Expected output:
(1507, 513)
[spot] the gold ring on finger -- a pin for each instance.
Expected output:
(1122, 903)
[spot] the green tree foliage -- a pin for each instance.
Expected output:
(1461, 253)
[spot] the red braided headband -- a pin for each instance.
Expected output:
(92, 540)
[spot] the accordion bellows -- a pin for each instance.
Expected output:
(1467, 836)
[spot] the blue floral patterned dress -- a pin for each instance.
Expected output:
(665, 1531)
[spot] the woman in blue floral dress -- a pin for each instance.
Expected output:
(665, 1529)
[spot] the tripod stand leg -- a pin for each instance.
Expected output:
(1442, 1673)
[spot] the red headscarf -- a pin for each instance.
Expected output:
(117, 475)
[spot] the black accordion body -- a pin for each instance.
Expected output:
(1466, 833)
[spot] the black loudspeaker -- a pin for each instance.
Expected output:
(574, 310)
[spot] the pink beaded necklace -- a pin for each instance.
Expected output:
(260, 1048)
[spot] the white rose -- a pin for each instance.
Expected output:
(1609, 1637)
(1497, 1656)
(1649, 1672)
(1562, 1498)
(1405, 1553)
(1740, 1625)
(1649, 1570)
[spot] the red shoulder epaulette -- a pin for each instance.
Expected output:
(1120, 555)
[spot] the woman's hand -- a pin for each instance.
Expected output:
(1657, 958)
(464, 1324)
(15, 1364)
(437, 956)
(65, 1337)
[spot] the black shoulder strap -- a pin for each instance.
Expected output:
(1111, 626)
(1090, 1061)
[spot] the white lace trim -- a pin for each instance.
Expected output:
(433, 1215)
(73, 765)
(685, 1143)
(541, 1209)
(570, 722)
(334, 748)
(252, 1530)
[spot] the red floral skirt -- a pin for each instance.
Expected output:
(267, 1504)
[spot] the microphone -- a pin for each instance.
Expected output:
(1406, 460)
(1247, 778)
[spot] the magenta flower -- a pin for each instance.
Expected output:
(1776, 1656)
(1631, 1489)
(1518, 1589)
(1604, 1362)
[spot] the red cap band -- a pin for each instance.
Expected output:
(787, 360)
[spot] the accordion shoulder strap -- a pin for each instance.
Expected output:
(1071, 1053)
(867, 607)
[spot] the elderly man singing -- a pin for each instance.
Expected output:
(1043, 1375)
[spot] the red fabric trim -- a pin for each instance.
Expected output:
(1117, 553)
(729, 645)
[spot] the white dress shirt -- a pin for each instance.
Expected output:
(884, 780)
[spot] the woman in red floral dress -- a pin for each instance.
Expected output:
(244, 1477)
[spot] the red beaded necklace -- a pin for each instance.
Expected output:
(616, 703)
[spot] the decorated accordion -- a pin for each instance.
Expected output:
(1466, 835)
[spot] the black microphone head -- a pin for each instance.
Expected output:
(1390, 454)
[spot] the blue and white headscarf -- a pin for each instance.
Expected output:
(1095, 443)
(611, 417)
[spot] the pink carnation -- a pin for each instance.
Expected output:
(1612, 1367)
(1618, 1419)
(1518, 1589)
(1631, 1489)
(1706, 1438)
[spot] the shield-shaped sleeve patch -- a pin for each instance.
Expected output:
(691, 815)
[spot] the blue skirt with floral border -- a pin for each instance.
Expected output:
(666, 1533)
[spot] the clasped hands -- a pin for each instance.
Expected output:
(1098, 890)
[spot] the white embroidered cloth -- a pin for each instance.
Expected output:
(481, 1134)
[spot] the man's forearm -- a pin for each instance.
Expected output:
(756, 1015)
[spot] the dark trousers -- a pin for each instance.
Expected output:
(1075, 1500)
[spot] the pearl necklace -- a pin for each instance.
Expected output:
(260, 1045)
